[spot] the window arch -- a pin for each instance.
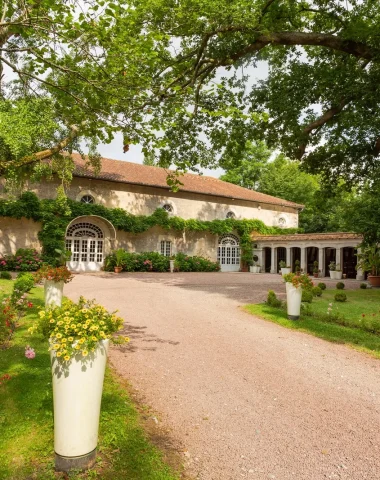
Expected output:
(87, 199)
(168, 207)
(230, 214)
(84, 229)
(229, 239)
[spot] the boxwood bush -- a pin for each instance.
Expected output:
(155, 262)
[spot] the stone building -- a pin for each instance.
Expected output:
(140, 190)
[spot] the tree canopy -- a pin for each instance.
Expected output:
(173, 75)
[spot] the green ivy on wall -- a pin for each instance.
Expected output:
(55, 215)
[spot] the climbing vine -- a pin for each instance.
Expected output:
(55, 215)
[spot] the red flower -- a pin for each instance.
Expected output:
(30, 304)
(363, 315)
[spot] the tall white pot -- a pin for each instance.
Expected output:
(338, 275)
(53, 293)
(171, 262)
(77, 394)
(285, 270)
(293, 301)
(332, 274)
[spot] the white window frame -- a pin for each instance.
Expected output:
(166, 247)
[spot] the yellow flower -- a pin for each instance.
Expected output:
(59, 335)
(60, 322)
(66, 357)
(94, 338)
(56, 346)
(58, 354)
(126, 339)
(102, 334)
(85, 326)
(95, 327)
(41, 314)
(77, 347)
(70, 339)
(66, 319)
(52, 321)
(81, 341)
(84, 353)
(101, 322)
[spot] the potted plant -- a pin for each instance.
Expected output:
(54, 278)
(119, 259)
(332, 268)
(79, 336)
(284, 268)
(338, 272)
(254, 268)
(171, 263)
(369, 261)
(315, 269)
(294, 286)
(297, 265)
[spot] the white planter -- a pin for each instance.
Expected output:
(171, 265)
(285, 270)
(254, 269)
(293, 301)
(338, 275)
(53, 293)
(332, 274)
(77, 394)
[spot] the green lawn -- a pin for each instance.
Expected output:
(345, 324)
(26, 419)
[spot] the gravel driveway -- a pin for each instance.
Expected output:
(244, 397)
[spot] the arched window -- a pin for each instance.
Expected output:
(87, 199)
(230, 215)
(229, 253)
(169, 208)
(282, 222)
(85, 241)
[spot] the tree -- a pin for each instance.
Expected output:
(319, 104)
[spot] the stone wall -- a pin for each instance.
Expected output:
(141, 200)
(15, 234)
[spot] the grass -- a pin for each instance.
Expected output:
(26, 419)
(356, 329)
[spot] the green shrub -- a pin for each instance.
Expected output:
(363, 286)
(340, 286)
(272, 300)
(23, 283)
(316, 291)
(187, 263)
(307, 295)
(5, 276)
(340, 297)
(322, 285)
(24, 260)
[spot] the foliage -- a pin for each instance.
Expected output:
(55, 218)
(307, 295)
(76, 328)
(187, 263)
(340, 286)
(340, 297)
(119, 256)
(272, 300)
(332, 266)
(24, 260)
(6, 275)
(297, 264)
(369, 260)
(282, 264)
(303, 280)
(53, 274)
(322, 285)
(316, 291)
(137, 262)
(363, 286)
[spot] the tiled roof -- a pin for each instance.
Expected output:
(307, 236)
(137, 174)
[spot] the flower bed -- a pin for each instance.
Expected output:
(24, 260)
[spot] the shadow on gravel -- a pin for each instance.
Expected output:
(138, 333)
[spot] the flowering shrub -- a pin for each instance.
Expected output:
(54, 274)
(13, 307)
(24, 260)
(187, 263)
(76, 328)
(303, 280)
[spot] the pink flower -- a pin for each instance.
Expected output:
(29, 352)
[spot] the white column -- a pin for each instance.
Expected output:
(303, 259)
(359, 271)
(288, 257)
(321, 261)
(260, 257)
(273, 268)
(338, 258)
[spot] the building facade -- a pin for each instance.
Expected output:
(140, 190)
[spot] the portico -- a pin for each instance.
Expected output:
(323, 248)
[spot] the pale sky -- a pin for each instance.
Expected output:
(114, 150)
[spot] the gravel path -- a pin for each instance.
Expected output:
(246, 398)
